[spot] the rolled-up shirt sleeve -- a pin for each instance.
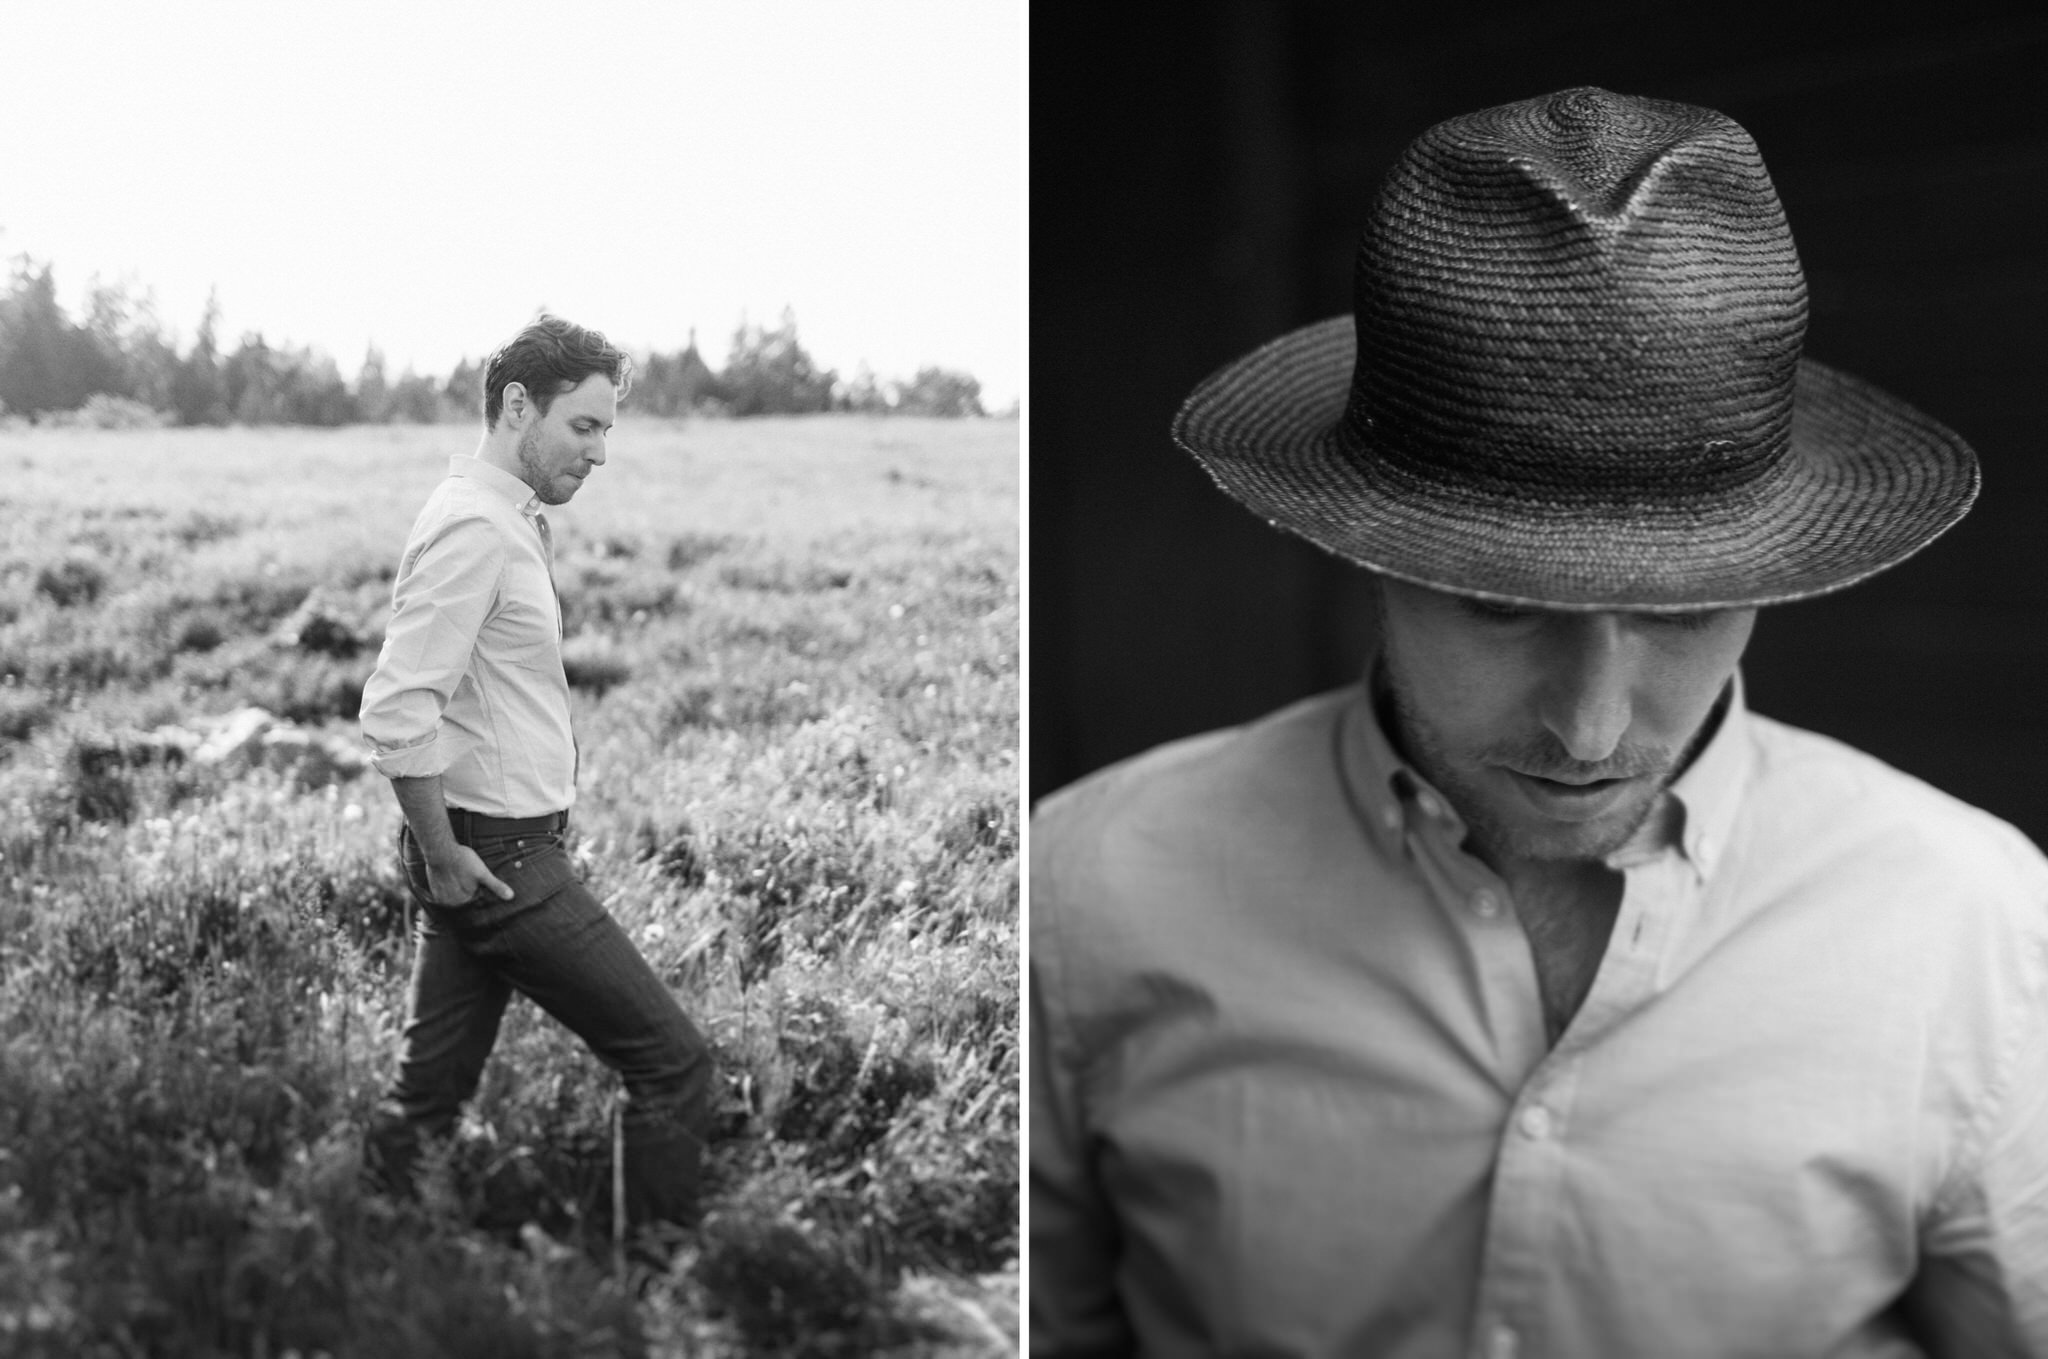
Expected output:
(444, 592)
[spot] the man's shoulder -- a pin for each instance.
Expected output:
(458, 498)
(1157, 835)
(1802, 775)
(1186, 782)
(1134, 862)
(461, 510)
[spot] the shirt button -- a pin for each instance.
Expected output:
(1534, 1122)
(1502, 1343)
(1430, 806)
(1485, 904)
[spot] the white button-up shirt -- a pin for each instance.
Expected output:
(469, 684)
(1292, 1093)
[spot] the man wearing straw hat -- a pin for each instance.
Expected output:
(1534, 997)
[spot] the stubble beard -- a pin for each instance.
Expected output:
(1500, 837)
(535, 472)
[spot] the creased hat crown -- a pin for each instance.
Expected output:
(1573, 380)
(1583, 298)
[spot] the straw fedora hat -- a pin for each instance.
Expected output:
(1572, 380)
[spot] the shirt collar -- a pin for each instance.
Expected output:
(1696, 814)
(522, 496)
(1380, 782)
(1710, 790)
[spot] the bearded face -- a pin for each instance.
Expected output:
(565, 443)
(1552, 733)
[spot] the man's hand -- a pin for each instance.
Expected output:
(453, 880)
(454, 871)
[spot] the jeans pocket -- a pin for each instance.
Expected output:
(414, 864)
(533, 866)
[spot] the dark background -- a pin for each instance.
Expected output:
(1199, 172)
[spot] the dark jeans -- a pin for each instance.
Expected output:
(554, 943)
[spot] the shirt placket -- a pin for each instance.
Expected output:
(547, 556)
(1477, 901)
(1527, 1204)
(1536, 1087)
(1524, 1211)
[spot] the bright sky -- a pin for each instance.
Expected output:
(424, 175)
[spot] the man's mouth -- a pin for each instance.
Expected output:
(1554, 781)
(1572, 798)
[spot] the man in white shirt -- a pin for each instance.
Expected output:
(1533, 997)
(468, 715)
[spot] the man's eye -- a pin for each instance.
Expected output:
(1689, 622)
(1494, 611)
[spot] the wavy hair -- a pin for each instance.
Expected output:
(548, 357)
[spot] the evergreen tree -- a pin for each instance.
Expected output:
(373, 392)
(674, 384)
(149, 358)
(198, 394)
(941, 391)
(768, 372)
(864, 394)
(415, 400)
(251, 383)
(104, 350)
(45, 362)
(463, 396)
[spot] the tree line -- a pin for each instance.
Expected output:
(118, 366)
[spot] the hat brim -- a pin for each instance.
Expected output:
(1867, 482)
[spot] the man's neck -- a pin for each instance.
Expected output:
(499, 452)
(1567, 909)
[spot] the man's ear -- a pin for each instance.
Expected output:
(515, 401)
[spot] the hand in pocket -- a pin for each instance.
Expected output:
(461, 878)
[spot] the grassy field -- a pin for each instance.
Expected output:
(794, 651)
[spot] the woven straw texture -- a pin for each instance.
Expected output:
(1573, 379)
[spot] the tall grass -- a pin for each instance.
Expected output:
(793, 646)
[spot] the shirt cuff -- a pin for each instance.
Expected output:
(419, 761)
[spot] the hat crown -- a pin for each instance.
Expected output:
(1584, 299)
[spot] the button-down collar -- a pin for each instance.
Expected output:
(1695, 814)
(1710, 790)
(522, 496)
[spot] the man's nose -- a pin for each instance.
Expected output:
(1586, 699)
